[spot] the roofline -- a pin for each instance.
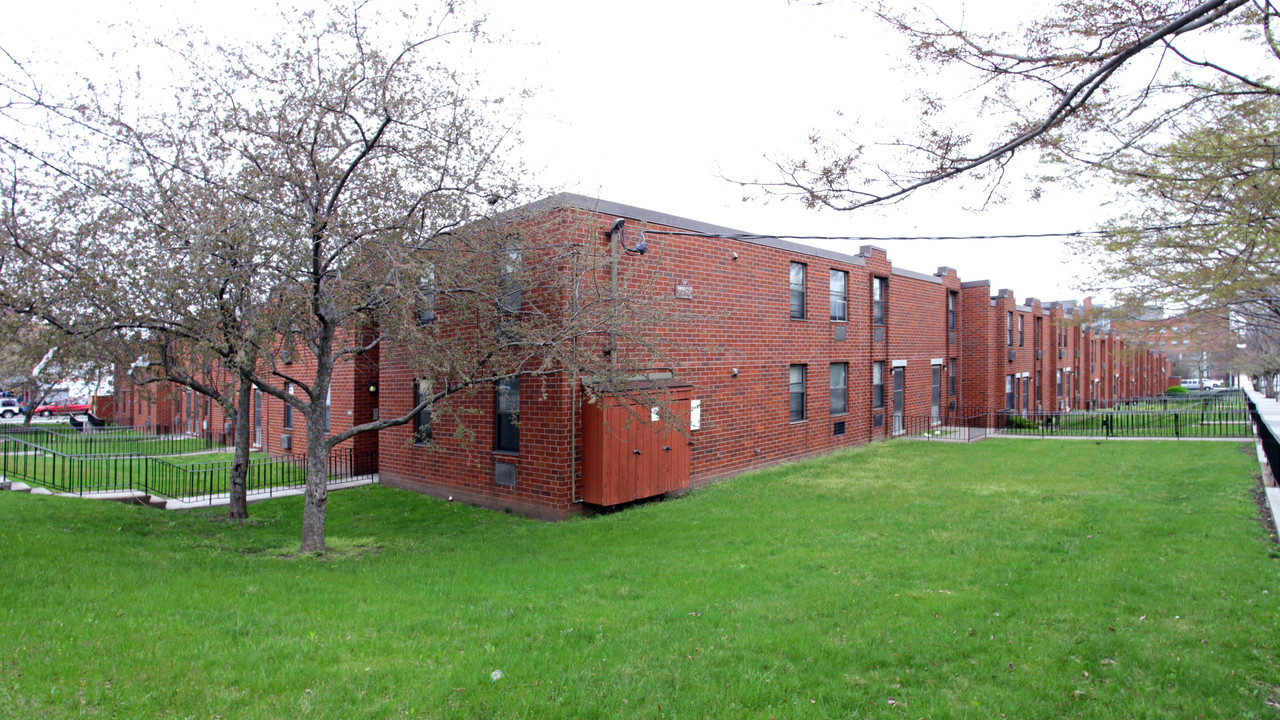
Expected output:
(631, 212)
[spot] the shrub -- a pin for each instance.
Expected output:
(1176, 390)
(1017, 422)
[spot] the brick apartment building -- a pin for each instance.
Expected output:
(802, 350)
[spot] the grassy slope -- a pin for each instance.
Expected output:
(1030, 578)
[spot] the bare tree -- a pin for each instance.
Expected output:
(1086, 83)
(311, 202)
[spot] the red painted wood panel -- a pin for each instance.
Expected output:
(627, 456)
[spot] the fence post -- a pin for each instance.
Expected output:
(1177, 432)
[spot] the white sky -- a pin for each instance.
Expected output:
(648, 103)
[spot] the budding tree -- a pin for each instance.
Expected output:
(1085, 83)
(331, 197)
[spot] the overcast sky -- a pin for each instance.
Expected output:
(649, 104)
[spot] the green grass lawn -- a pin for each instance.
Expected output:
(1008, 578)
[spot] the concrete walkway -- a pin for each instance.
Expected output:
(141, 498)
(1269, 411)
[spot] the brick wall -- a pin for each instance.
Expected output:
(736, 350)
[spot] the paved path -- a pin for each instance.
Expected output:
(1269, 411)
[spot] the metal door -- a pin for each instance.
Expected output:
(899, 400)
(936, 395)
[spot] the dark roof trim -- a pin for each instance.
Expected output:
(582, 202)
(918, 276)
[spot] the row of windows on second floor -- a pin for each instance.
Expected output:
(838, 296)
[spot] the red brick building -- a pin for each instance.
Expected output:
(800, 351)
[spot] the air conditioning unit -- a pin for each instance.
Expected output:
(877, 334)
(1039, 354)
(286, 442)
(1062, 353)
(1013, 355)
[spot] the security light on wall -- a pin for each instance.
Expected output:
(618, 233)
(373, 388)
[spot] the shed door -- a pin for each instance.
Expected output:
(628, 456)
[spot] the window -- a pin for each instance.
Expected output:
(288, 409)
(797, 291)
(877, 384)
(951, 310)
(1009, 326)
(951, 378)
(1039, 331)
(1020, 334)
(422, 431)
(509, 301)
(427, 294)
(1039, 378)
(839, 295)
(1008, 392)
(796, 391)
(507, 435)
(328, 407)
(839, 388)
(1059, 383)
(879, 287)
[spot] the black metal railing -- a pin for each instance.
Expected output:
(1266, 436)
(115, 440)
(945, 427)
(191, 482)
(1194, 421)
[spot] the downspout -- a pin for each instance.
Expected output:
(615, 239)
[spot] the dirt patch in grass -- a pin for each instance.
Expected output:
(1264, 512)
(335, 549)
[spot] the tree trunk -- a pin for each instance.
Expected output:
(317, 496)
(239, 486)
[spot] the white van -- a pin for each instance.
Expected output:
(1192, 384)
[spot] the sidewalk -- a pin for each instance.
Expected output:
(1269, 412)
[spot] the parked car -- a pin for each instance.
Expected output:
(48, 410)
(1192, 384)
(9, 407)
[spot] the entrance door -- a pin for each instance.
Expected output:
(899, 400)
(935, 395)
(257, 417)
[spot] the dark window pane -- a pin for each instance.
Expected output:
(797, 290)
(507, 432)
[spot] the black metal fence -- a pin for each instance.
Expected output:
(115, 440)
(948, 427)
(1192, 422)
(1267, 437)
(1202, 416)
(197, 482)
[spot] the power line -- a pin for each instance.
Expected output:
(885, 238)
